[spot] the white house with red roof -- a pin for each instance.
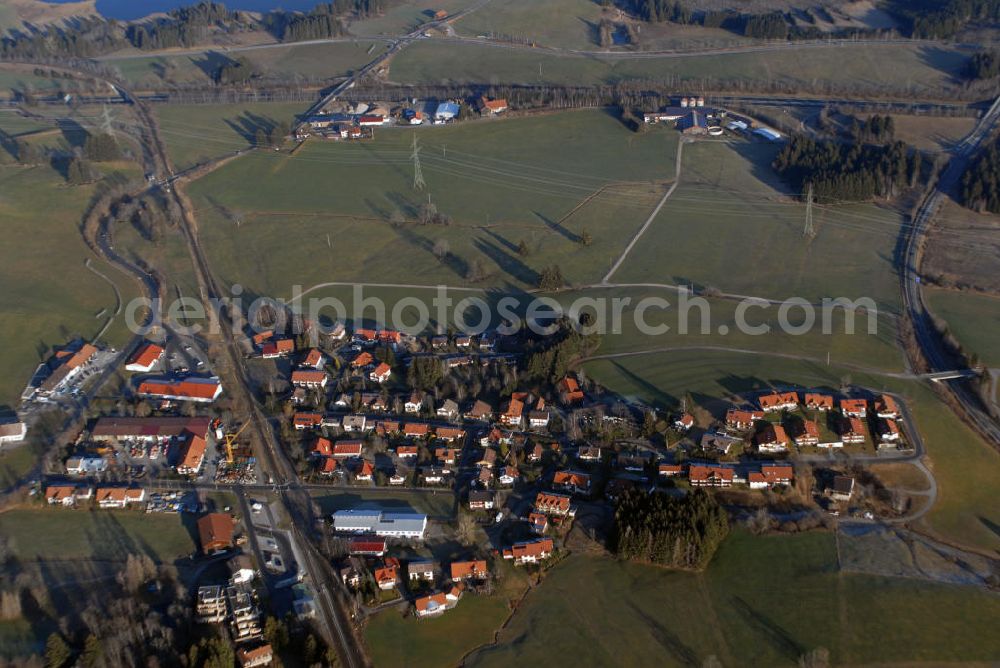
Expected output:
(381, 373)
(145, 358)
(314, 359)
(309, 379)
(530, 552)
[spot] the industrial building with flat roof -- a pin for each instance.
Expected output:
(395, 525)
(202, 390)
(148, 428)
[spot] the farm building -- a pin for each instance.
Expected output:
(446, 111)
(694, 123)
(768, 134)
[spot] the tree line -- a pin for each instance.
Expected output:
(769, 25)
(848, 172)
(679, 532)
(83, 38)
(182, 27)
(324, 20)
(941, 19)
(187, 26)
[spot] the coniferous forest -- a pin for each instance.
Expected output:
(984, 65)
(848, 172)
(680, 532)
(981, 181)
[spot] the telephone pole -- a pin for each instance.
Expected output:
(809, 231)
(418, 175)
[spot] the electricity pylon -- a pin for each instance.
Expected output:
(809, 231)
(418, 175)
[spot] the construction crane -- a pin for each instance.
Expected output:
(230, 442)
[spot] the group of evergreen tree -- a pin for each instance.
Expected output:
(82, 38)
(851, 172)
(983, 65)
(236, 71)
(681, 532)
(766, 26)
(101, 147)
(874, 130)
(272, 135)
(557, 353)
(80, 172)
(185, 26)
(770, 25)
(657, 11)
(941, 19)
(425, 372)
(324, 20)
(981, 181)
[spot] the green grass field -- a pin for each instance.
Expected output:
(53, 534)
(40, 305)
(564, 23)
(14, 464)
(971, 318)
(442, 641)
(573, 24)
(763, 601)
(295, 62)
(733, 226)
(902, 476)
(194, 133)
(397, 641)
(876, 351)
(900, 66)
(501, 182)
(438, 505)
(968, 475)
(17, 126)
(932, 134)
(402, 17)
(967, 469)
(19, 80)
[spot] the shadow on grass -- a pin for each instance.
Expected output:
(558, 228)
(211, 62)
(507, 261)
(769, 629)
(669, 641)
(945, 61)
(248, 124)
(990, 524)
(760, 155)
(662, 398)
